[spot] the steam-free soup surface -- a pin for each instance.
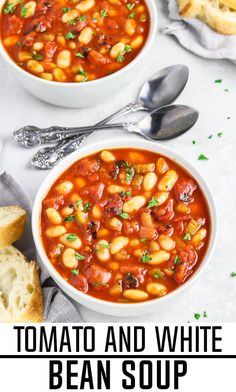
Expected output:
(125, 225)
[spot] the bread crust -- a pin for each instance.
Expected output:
(220, 15)
(12, 231)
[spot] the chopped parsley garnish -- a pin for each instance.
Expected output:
(202, 157)
(220, 134)
(70, 35)
(24, 12)
(145, 258)
(233, 274)
(158, 274)
(103, 13)
(82, 18)
(125, 194)
(129, 173)
(130, 6)
(205, 314)
(102, 245)
(128, 49)
(99, 283)
(83, 73)
(75, 272)
(80, 55)
(124, 215)
(78, 256)
(176, 259)
(153, 202)
(142, 240)
(66, 9)
(120, 58)
(72, 237)
(210, 137)
(37, 56)
(218, 81)
(87, 207)
(132, 15)
(9, 9)
(72, 22)
(194, 141)
(69, 218)
(79, 202)
(197, 316)
(187, 237)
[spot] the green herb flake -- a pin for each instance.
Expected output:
(187, 237)
(205, 314)
(125, 194)
(69, 218)
(132, 15)
(203, 158)
(193, 141)
(70, 35)
(103, 245)
(80, 55)
(99, 283)
(130, 6)
(79, 257)
(24, 12)
(78, 202)
(82, 18)
(153, 202)
(72, 237)
(210, 137)
(176, 259)
(226, 90)
(87, 207)
(72, 22)
(103, 13)
(128, 49)
(197, 316)
(220, 134)
(124, 215)
(218, 81)
(37, 56)
(142, 240)
(120, 58)
(75, 272)
(129, 173)
(145, 258)
(9, 9)
(158, 274)
(233, 274)
(66, 9)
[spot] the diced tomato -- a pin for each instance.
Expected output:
(80, 282)
(42, 24)
(164, 228)
(79, 26)
(86, 167)
(165, 212)
(179, 226)
(97, 58)
(103, 5)
(50, 48)
(42, 7)
(29, 40)
(184, 189)
(111, 24)
(96, 192)
(113, 206)
(54, 202)
(15, 25)
(187, 259)
(97, 276)
(150, 233)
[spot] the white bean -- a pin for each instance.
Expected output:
(30, 8)
(10, 41)
(117, 49)
(55, 231)
(134, 204)
(168, 181)
(64, 188)
(64, 59)
(35, 67)
(86, 35)
(115, 188)
(136, 42)
(161, 197)
(53, 216)
(97, 211)
(102, 251)
(159, 257)
(85, 5)
(115, 224)
(38, 45)
(162, 166)
(199, 236)
(107, 156)
(156, 289)
(130, 26)
(118, 243)
(74, 243)
(59, 75)
(69, 259)
(166, 243)
(68, 16)
(135, 295)
(149, 181)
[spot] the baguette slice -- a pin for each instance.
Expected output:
(190, 8)
(12, 224)
(21, 297)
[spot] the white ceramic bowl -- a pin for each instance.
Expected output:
(78, 95)
(87, 300)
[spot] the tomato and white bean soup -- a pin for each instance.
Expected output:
(125, 225)
(74, 40)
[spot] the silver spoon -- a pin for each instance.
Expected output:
(160, 90)
(162, 124)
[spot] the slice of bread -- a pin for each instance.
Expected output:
(12, 224)
(220, 15)
(21, 297)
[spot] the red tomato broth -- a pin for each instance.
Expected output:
(133, 262)
(37, 43)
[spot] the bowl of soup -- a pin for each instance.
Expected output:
(76, 53)
(124, 226)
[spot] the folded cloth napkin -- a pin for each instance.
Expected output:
(57, 306)
(199, 38)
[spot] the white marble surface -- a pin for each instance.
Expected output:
(215, 291)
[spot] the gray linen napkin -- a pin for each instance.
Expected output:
(199, 38)
(57, 306)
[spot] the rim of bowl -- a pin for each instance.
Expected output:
(151, 36)
(113, 144)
